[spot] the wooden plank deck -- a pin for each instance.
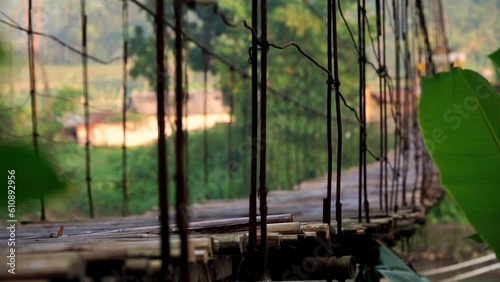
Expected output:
(110, 247)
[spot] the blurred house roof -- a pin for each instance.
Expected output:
(145, 103)
(73, 120)
(378, 97)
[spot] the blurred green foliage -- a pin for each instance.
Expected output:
(226, 178)
(28, 175)
(465, 147)
(446, 211)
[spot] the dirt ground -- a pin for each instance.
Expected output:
(442, 244)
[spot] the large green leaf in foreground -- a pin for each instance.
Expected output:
(495, 59)
(394, 269)
(460, 122)
(27, 176)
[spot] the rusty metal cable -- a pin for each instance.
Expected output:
(406, 106)
(365, 148)
(230, 131)
(423, 26)
(263, 142)
(86, 107)
(14, 25)
(327, 202)
(185, 101)
(340, 136)
(243, 73)
(244, 136)
(182, 212)
(206, 59)
(384, 110)
(362, 108)
(125, 211)
(267, 44)
(381, 113)
(252, 225)
(32, 79)
(395, 179)
(296, 151)
(415, 127)
(161, 101)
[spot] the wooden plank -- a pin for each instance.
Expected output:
(321, 229)
(291, 237)
(273, 239)
(284, 228)
(227, 241)
(203, 244)
(222, 268)
(201, 256)
(96, 249)
(66, 266)
(232, 224)
(137, 266)
(311, 234)
(28, 280)
(104, 254)
(198, 271)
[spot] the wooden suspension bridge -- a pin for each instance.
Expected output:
(299, 243)
(292, 235)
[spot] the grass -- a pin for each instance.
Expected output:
(99, 76)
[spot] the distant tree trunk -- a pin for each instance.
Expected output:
(45, 102)
(11, 71)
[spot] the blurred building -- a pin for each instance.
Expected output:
(106, 129)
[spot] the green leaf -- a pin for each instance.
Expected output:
(29, 175)
(394, 269)
(395, 275)
(460, 123)
(495, 58)
(475, 237)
